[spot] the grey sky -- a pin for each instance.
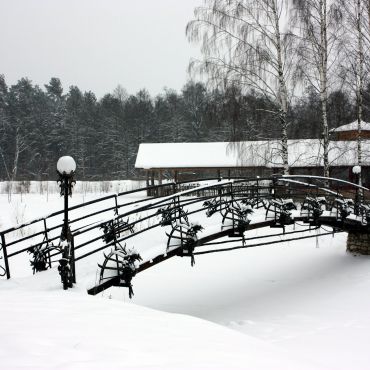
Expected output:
(97, 44)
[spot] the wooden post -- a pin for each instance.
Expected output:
(147, 178)
(151, 192)
(152, 177)
(160, 190)
(148, 192)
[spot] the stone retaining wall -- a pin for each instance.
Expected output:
(358, 243)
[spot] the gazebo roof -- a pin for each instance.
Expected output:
(302, 153)
(365, 126)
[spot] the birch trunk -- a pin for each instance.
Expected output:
(360, 83)
(282, 92)
(368, 14)
(323, 69)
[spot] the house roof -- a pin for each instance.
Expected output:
(302, 153)
(365, 126)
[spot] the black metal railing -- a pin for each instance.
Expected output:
(87, 220)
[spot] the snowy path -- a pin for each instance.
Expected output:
(60, 330)
(295, 305)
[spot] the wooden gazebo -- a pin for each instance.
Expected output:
(186, 161)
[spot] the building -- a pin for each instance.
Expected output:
(187, 161)
(349, 131)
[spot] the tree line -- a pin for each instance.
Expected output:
(274, 69)
(38, 125)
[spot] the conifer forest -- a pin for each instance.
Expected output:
(39, 124)
(269, 70)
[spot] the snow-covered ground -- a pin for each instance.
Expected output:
(297, 305)
(81, 187)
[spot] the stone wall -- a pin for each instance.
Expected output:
(358, 243)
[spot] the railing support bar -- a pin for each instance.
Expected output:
(5, 254)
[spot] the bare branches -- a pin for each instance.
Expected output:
(242, 44)
(319, 27)
(354, 67)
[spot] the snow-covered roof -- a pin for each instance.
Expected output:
(365, 126)
(302, 153)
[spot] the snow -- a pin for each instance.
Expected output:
(302, 153)
(310, 301)
(65, 330)
(81, 187)
(292, 305)
(353, 126)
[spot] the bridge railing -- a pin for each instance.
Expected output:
(88, 218)
(238, 189)
(44, 231)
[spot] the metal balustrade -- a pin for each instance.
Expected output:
(113, 220)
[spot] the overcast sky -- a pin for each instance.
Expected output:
(97, 44)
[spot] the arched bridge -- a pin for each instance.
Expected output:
(128, 233)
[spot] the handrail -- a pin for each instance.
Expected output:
(220, 188)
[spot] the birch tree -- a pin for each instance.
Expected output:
(317, 24)
(244, 43)
(356, 49)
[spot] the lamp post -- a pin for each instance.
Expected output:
(357, 172)
(66, 168)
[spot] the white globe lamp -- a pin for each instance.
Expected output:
(356, 170)
(66, 165)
